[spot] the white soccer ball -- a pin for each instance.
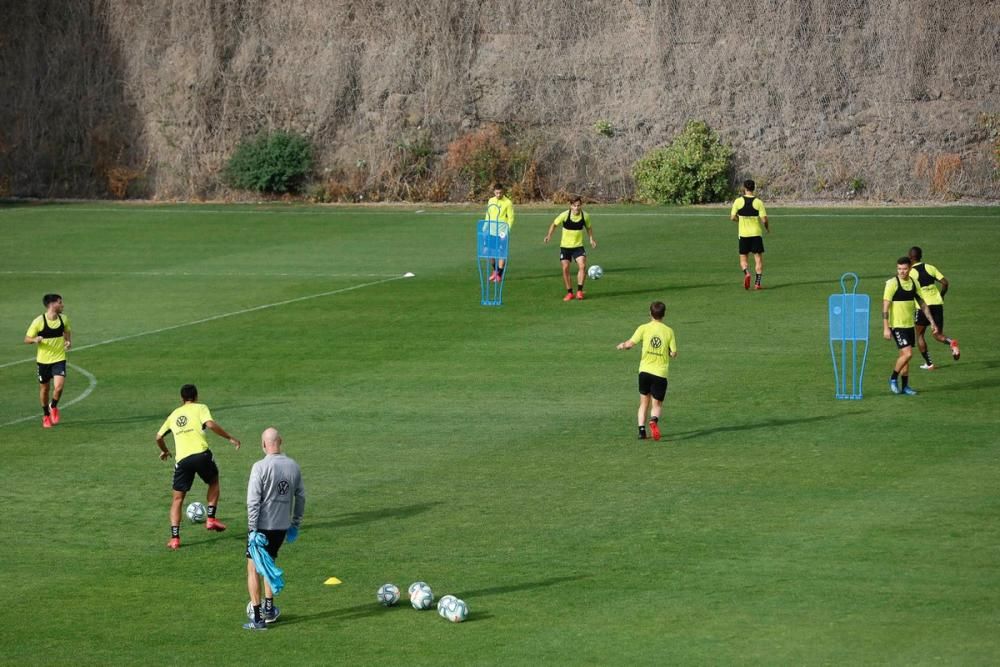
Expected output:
(595, 272)
(196, 512)
(444, 603)
(250, 610)
(388, 595)
(455, 610)
(421, 596)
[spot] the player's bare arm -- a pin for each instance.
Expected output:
(218, 430)
(885, 320)
(162, 444)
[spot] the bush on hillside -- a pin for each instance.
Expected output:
(275, 163)
(694, 169)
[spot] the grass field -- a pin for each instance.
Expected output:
(491, 451)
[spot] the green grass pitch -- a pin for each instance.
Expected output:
(491, 451)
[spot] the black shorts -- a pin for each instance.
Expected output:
(937, 312)
(751, 244)
(904, 337)
(47, 371)
(275, 538)
(570, 254)
(652, 385)
(201, 464)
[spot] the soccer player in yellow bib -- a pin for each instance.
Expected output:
(659, 346)
(571, 248)
(193, 457)
(926, 276)
(52, 334)
(749, 211)
(899, 303)
(505, 214)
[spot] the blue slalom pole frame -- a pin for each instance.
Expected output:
(849, 323)
(492, 243)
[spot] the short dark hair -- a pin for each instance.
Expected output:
(904, 260)
(189, 392)
(576, 198)
(917, 252)
(498, 186)
(50, 298)
(749, 185)
(657, 309)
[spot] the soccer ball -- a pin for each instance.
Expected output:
(196, 512)
(250, 610)
(388, 594)
(444, 603)
(421, 596)
(454, 610)
(595, 272)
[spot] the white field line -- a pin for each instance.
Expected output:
(721, 211)
(198, 274)
(220, 316)
(91, 384)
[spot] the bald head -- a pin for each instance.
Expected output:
(270, 440)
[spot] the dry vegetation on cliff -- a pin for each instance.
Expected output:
(886, 100)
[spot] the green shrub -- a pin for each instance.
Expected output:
(692, 170)
(278, 162)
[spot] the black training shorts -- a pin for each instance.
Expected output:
(937, 312)
(275, 538)
(570, 254)
(47, 371)
(652, 385)
(201, 464)
(751, 244)
(904, 337)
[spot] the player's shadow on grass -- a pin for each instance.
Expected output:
(962, 386)
(768, 423)
(159, 416)
(356, 518)
(834, 283)
(548, 275)
(373, 609)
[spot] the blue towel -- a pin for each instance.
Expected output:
(292, 534)
(263, 562)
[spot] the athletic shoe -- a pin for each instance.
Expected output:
(654, 428)
(955, 353)
(579, 295)
(568, 297)
(273, 616)
(758, 286)
(55, 415)
(746, 281)
(215, 524)
(254, 625)
(494, 277)
(909, 391)
(174, 543)
(642, 436)
(46, 422)
(928, 367)
(893, 386)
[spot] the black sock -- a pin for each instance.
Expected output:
(54, 403)
(654, 420)
(175, 531)
(927, 357)
(211, 511)
(642, 431)
(500, 272)
(906, 381)
(256, 613)
(45, 410)
(757, 280)
(579, 287)
(746, 272)
(569, 289)
(268, 605)
(895, 375)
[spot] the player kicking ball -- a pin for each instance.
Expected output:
(659, 346)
